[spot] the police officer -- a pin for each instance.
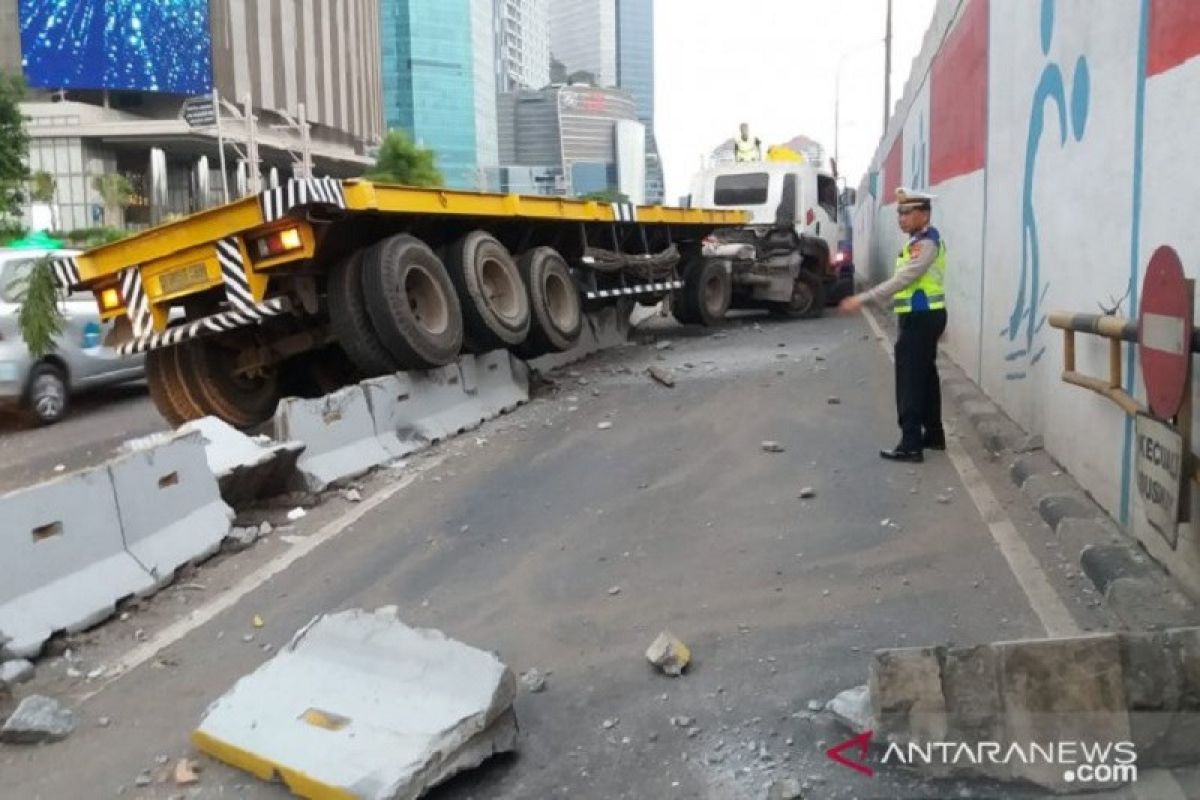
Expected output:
(918, 297)
(746, 148)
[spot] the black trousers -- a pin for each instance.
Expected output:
(918, 387)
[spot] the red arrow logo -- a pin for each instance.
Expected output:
(861, 743)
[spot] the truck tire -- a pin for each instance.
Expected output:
(556, 310)
(244, 401)
(707, 292)
(411, 303)
(167, 390)
(808, 298)
(350, 322)
(495, 304)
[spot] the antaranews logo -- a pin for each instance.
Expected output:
(1082, 762)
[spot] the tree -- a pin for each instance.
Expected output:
(400, 160)
(40, 319)
(114, 189)
(14, 150)
(606, 196)
(42, 187)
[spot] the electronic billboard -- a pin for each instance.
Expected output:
(147, 45)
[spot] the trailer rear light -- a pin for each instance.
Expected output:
(810, 217)
(277, 243)
(109, 299)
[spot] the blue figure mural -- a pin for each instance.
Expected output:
(1026, 319)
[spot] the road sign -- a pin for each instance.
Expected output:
(1165, 332)
(199, 112)
(1159, 466)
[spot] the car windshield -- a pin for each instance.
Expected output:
(12, 278)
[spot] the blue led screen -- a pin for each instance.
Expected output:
(149, 45)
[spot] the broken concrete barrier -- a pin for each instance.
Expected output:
(170, 506)
(38, 719)
(361, 705)
(247, 468)
(64, 564)
(608, 327)
(338, 433)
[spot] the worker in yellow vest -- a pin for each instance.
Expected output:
(918, 296)
(744, 147)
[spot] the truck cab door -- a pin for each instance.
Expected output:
(825, 212)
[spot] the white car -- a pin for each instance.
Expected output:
(79, 362)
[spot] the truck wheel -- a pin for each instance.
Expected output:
(411, 303)
(556, 309)
(495, 306)
(167, 391)
(707, 292)
(243, 401)
(808, 298)
(48, 394)
(350, 322)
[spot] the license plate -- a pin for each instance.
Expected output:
(183, 278)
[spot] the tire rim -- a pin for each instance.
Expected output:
(49, 397)
(426, 300)
(561, 302)
(500, 291)
(802, 298)
(714, 295)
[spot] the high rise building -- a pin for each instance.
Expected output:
(439, 81)
(583, 37)
(635, 74)
(522, 44)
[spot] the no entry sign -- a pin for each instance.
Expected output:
(1165, 332)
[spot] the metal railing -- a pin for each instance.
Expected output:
(1118, 331)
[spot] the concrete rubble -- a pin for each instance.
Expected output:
(1139, 687)
(359, 704)
(852, 708)
(18, 670)
(38, 719)
(669, 654)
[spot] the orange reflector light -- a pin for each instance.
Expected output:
(277, 243)
(109, 299)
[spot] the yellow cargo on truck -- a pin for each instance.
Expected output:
(320, 282)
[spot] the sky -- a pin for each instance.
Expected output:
(774, 64)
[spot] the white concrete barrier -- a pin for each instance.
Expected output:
(502, 382)
(170, 505)
(608, 327)
(63, 562)
(361, 705)
(339, 436)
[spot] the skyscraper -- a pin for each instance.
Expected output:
(522, 44)
(583, 37)
(439, 81)
(635, 74)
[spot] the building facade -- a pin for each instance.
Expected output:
(583, 38)
(522, 44)
(635, 74)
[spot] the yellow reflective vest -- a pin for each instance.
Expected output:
(746, 149)
(927, 293)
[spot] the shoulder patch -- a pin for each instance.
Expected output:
(931, 233)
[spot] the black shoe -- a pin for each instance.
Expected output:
(934, 443)
(901, 454)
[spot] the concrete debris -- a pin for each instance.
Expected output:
(359, 704)
(240, 539)
(772, 447)
(669, 654)
(663, 376)
(807, 493)
(666, 344)
(833, 400)
(352, 495)
(682, 722)
(815, 705)
(144, 778)
(534, 681)
(265, 529)
(15, 671)
(604, 426)
(944, 499)
(38, 719)
(852, 708)
(297, 513)
(785, 789)
(103, 722)
(609, 724)
(185, 773)
(613, 591)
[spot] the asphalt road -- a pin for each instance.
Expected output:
(510, 539)
(97, 423)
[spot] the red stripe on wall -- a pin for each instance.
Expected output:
(1174, 34)
(958, 98)
(892, 169)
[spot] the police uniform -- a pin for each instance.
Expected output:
(918, 295)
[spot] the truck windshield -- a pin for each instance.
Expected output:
(749, 189)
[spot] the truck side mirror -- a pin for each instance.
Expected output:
(849, 197)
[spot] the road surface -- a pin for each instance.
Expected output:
(511, 538)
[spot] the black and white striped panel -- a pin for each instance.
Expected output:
(137, 304)
(233, 274)
(278, 202)
(217, 323)
(66, 272)
(645, 288)
(624, 212)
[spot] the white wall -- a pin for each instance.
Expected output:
(1053, 216)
